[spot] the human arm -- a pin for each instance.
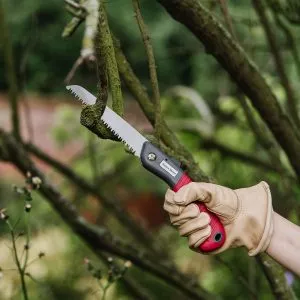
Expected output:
(285, 244)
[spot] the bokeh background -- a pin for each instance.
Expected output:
(207, 117)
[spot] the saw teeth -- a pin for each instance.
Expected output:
(69, 88)
(74, 94)
(117, 134)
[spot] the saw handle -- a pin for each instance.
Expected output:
(217, 237)
(169, 170)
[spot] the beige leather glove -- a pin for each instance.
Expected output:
(246, 214)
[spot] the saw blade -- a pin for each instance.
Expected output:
(82, 94)
(128, 135)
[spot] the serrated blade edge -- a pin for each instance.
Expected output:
(128, 134)
(82, 94)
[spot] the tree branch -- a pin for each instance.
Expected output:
(290, 38)
(152, 65)
(10, 72)
(244, 157)
(107, 71)
(105, 43)
(264, 138)
(272, 270)
(271, 38)
(102, 64)
(227, 18)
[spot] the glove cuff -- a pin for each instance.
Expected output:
(258, 217)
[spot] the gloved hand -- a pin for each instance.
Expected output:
(247, 214)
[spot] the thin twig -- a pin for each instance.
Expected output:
(290, 39)
(27, 245)
(73, 4)
(152, 65)
(73, 70)
(227, 18)
(87, 49)
(132, 286)
(21, 269)
(32, 39)
(279, 62)
(10, 72)
(262, 134)
(247, 158)
(93, 158)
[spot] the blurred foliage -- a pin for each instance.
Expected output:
(36, 28)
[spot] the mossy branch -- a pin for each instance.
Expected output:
(108, 78)
(90, 118)
(105, 48)
(151, 63)
(280, 288)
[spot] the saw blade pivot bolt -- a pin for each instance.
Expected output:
(152, 156)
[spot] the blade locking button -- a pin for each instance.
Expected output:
(152, 156)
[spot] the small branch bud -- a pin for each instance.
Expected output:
(127, 264)
(28, 207)
(36, 181)
(3, 216)
(86, 261)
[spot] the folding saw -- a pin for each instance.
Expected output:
(155, 161)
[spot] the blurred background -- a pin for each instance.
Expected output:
(199, 102)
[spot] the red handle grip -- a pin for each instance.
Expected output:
(218, 236)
